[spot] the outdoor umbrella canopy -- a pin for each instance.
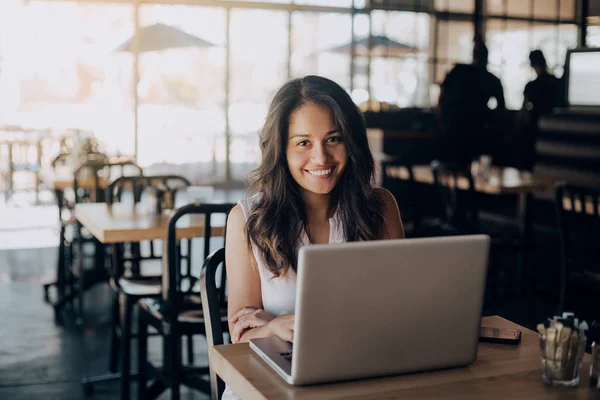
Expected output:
(159, 37)
(380, 46)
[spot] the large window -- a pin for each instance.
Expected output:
(320, 44)
(59, 69)
(181, 90)
(515, 27)
(206, 74)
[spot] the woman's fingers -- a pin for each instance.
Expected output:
(238, 329)
(242, 312)
(245, 322)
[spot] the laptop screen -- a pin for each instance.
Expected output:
(583, 77)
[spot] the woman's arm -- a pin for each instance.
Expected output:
(391, 215)
(247, 319)
(243, 278)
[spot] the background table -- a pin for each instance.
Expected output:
(121, 222)
(500, 372)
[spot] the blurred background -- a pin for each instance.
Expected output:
(199, 94)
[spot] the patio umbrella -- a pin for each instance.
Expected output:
(159, 37)
(380, 46)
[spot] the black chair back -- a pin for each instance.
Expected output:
(212, 290)
(406, 192)
(579, 224)
(173, 292)
(99, 168)
(137, 184)
(457, 203)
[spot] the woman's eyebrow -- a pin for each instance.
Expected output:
(307, 135)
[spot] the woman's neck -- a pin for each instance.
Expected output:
(317, 206)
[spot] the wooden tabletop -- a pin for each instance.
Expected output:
(500, 372)
(501, 180)
(122, 223)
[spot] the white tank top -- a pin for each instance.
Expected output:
(279, 294)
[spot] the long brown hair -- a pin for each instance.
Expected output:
(278, 217)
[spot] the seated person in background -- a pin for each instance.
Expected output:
(539, 97)
(469, 97)
(314, 185)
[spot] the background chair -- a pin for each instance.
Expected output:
(578, 215)
(405, 191)
(177, 313)
(128, 279)
(457, 208)
(73, 279)
(214, 303)
(459, 213)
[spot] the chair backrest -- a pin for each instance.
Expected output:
(398, 178)
(98, 170)
(212, 290)
(457, 205)
(172, 289)
(137, 184)
(578, 217)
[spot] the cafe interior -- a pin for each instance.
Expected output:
(129, 129)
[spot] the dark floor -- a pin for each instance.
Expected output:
(40, 359)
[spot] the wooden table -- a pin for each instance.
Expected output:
(120, 223)
(500, 372)
(502, 180)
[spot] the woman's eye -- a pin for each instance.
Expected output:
(303, 143)
(335, 139)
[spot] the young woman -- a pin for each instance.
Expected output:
(314, 185)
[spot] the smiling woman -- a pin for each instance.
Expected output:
(314, 185)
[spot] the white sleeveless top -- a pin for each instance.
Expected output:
(279, 293)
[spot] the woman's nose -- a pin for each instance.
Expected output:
(319, 154)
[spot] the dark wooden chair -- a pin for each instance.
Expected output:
(127, 277)
(405, 191)
(88, 186)
(459, 214)
(214, 303)
(577, 209)
(176, 314)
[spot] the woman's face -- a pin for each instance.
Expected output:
(316, 153)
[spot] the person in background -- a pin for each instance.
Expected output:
(470, 97)
(539, 97)
(314, 185)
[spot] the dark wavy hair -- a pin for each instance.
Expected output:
(276, 222)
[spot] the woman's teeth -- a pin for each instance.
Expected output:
(320, 172)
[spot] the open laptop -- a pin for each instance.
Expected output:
(376, 308)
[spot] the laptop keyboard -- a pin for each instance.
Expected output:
(287, 355)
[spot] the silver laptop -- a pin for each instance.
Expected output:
(376, 308)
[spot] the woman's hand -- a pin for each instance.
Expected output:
(283, 327)
(248, 318)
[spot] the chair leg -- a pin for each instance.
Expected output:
(174, 360)
(114, 337)
(190, 349)
(80, 289)
(142, 356)
(126, 348)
